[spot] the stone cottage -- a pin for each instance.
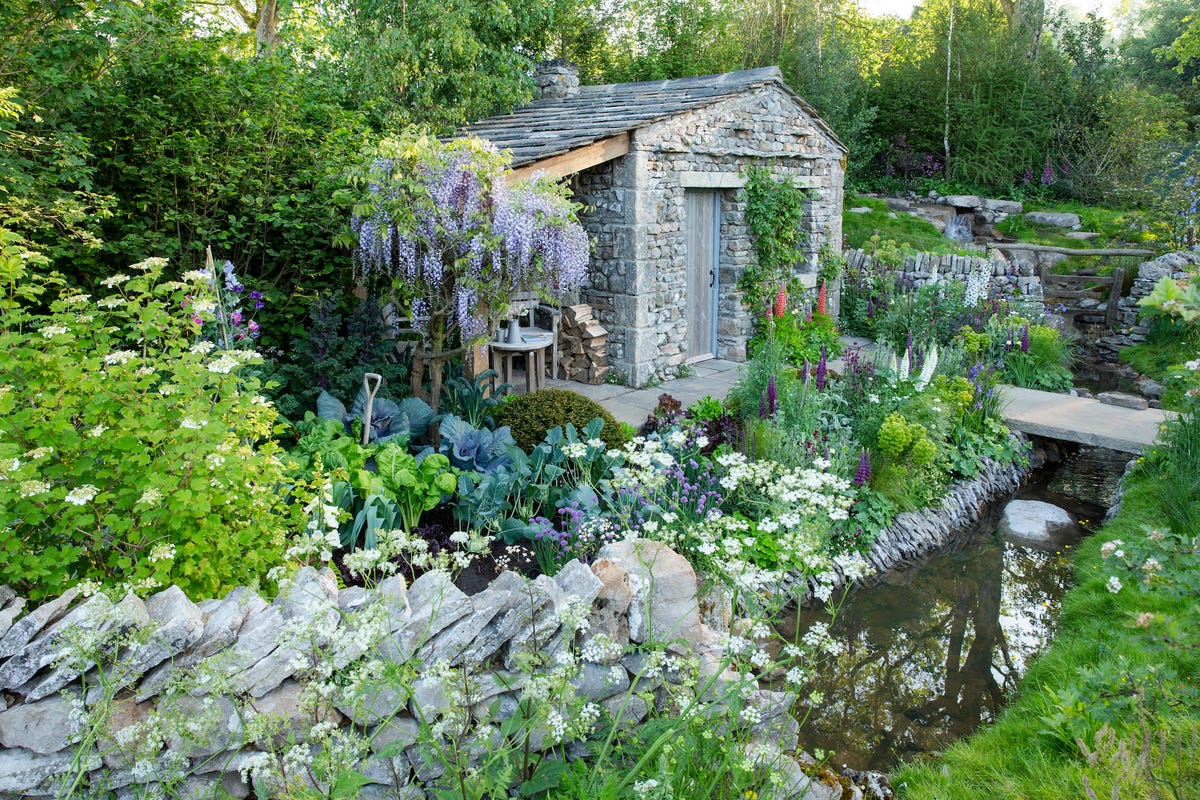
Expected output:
(659, 166)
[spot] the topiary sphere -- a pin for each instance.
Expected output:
(531, 415)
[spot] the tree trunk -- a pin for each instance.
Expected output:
(266, 28)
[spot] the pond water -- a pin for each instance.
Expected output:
(933, 651)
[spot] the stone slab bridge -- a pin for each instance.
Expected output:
(1083, 420)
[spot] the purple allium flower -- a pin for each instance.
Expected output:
(772, 397)
(821, 367)
(863, 473)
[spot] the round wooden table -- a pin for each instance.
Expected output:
(533, 346)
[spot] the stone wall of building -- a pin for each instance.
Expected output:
(640, 213)
(1129, 328)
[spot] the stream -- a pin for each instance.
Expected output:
(933, 651)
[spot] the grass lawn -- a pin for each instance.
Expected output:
(919, 234)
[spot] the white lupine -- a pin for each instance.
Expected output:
(927, 369)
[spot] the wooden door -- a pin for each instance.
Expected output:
(703, 256)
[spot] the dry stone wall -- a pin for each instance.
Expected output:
(639, 222)
(204, 699)
(921, 269)
(1128, 328)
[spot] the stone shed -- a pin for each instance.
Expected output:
(659, 166)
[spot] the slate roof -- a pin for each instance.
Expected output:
(550, 127)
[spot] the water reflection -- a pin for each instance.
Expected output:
(932, 652)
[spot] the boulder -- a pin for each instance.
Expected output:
(1038, 525)
(664, 605)
(1003, 206)
(967, 201)
(861, 210)
(1082, 236)
(1051, 219)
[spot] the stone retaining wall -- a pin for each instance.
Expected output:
(915, 535)
(921, 269)
(204, 691)
(1128, 328)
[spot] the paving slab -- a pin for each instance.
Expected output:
(1083, 420)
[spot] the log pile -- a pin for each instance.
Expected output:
(582, 346)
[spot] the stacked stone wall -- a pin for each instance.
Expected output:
(922, 269)
(1129, 328)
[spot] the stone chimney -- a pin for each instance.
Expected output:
(557, 79)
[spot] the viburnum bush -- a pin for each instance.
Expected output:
(134, 453)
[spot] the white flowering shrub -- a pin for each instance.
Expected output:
(133, 453)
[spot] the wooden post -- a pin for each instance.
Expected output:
(1114, 295)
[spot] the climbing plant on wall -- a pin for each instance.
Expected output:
(774, 211)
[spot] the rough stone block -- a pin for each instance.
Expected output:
(664, 605)
(23, 631)
(44, 727)
(1123, 400)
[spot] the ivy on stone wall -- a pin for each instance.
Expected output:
(774, 211)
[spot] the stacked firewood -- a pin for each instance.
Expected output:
(582, 346)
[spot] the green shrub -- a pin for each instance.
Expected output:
(133, 455)
(531, 415)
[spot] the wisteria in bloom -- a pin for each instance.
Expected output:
(455, 238)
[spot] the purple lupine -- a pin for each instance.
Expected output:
(1047, 173)
(1025, 338)
(762, 406)
(871, 308)
(821, 367)
(863, 473)
(772, 397)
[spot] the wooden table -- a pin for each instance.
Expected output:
(533, 347)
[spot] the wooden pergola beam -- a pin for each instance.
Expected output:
(576, 160)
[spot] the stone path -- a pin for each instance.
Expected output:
(1079, 419)
(714, 377)
(1054, 416)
